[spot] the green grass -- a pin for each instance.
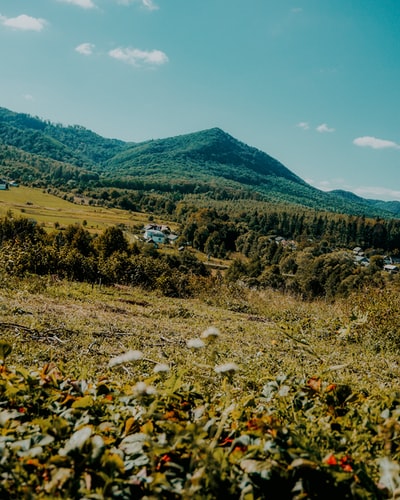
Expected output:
(264, 333)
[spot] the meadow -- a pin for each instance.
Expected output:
(50, 210)
(116, 392)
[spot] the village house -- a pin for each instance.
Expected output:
(3, 185)
(361, 260)
(358, 251)
(159, 234)
(155, 236)
(391, 268)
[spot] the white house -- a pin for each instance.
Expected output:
(3, 185)
(154, 235)
(391, 268)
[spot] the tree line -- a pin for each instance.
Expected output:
(107, 258)
(307, 268)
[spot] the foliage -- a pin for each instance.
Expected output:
(286, 400)
(164, 438)
(106, 258)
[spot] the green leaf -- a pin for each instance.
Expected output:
(85, 402)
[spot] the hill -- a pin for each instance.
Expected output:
(209, 162)
(388, 206)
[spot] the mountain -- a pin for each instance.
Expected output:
(73, 144)
(387, 206)
(210, 162)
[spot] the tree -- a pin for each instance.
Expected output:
(110, 241)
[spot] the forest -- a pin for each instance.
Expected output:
(308, 255)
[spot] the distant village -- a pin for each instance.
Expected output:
(159, 234)
(162, 235)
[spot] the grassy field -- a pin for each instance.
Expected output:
(115, 392)
(264, 333)
(49, 210)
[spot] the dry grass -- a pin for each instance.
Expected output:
(81, 328)
(48, 210)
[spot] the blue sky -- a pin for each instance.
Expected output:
(313, 83)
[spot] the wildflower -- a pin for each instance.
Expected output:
(125, 358)
(390, 474)
(227, 368)
(346, 463)
(330, 459)
(284, 391)
(195, 343)
(210, 333)
(161, 368)
(142, 389)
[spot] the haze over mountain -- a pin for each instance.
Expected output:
(209, 162)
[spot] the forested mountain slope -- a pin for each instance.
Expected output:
(209, 162)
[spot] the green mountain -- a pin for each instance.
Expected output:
(387, 206)
(210, 162)
(73, 144)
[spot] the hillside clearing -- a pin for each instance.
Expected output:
(49, 210)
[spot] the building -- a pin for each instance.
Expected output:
(155, 236)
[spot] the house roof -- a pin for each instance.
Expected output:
(155, 232)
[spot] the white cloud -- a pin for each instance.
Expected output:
(374, 192)
(303, 125)
(328, 185)
(147, 4)
(377, 192)
(28, 97)
(85, 48)
(23, 22)
(85, 4)
(137, 57)
(374, 143)
(324, 128)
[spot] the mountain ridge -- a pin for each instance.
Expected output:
(209, 161)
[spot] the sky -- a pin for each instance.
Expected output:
(313, 83)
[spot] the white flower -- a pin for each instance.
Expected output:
(195, 343)
(125, 358)
(389, 474)
(227, 368)
(284, 391)
(142, 389)
(161, 368)
(210, 333)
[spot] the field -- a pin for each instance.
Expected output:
(50, 210)
(114, 392)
